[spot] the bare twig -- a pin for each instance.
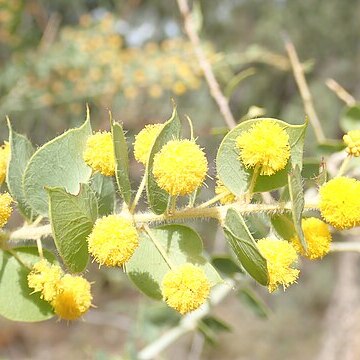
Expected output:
(304, 90)
(186, 325)
(345, 246)
(213, 84)
(341, 93)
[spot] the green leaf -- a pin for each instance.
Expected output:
(283, 225)
(236, 177)
(244, 246)
(330, 146)
(122, 161)
(16, 301)
(250, 298)
(350, 118)
(210, 326)
(258, 225)
(310, 168)
(72, 219)
(158, 198)
(20, 154)
(147, 267)
(297, 202)
(104, 189)
(226, 265)
(58, 163)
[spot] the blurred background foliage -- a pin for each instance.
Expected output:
(132, 57)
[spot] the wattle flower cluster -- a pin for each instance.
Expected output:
(69, 295)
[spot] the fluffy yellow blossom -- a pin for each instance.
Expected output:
(144, 141)
(5, 208)
(317, 237)
(280, 255)
(44, 278)
(339, 202)
(265, 144)
(73, 298)
(180, 167)
(352, 140)
(113, 240)
(220, 188)
(99, 153)
(185, 288)
(4, 159)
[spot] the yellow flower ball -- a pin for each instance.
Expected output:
(73, 299)
(144, 141)
(45, 278)
(99, 153)
(220, 189)
(280, 256)
(185, 288)
(317, 237)
(180, 167)
(113, 240)
(265, 144)
(352, 140)
(339, 202)
(5, 208)
(4, 159)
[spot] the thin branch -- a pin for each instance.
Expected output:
(214, 212)
(187, 324)
(345, 246)
(304, 90)
(138, 194)
(213, 84)
(30, 233)
(340, 92)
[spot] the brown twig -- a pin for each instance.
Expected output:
(341, 93)
(304, 90)
(213, 84)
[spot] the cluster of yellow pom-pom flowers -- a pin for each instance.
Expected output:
(280, 255)
(264, 145)
(113, 240)
(5, 208)
(4, 159)
(99, 153)
(179, 168)
(69, 295)
(185, 288)
(317, 236)
(339, 202)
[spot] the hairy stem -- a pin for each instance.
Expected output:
(215, 212)
(30, 233)
(345, 246)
